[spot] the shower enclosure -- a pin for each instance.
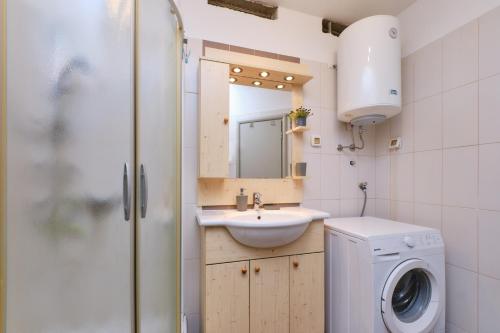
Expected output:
(89, 166)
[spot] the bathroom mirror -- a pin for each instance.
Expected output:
(258, 144)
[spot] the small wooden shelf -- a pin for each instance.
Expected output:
(298, 129)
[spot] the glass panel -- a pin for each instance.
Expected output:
(157, 105)
(412, 295)
(69, 120)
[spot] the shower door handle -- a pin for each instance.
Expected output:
(144, 191)
(126, 192)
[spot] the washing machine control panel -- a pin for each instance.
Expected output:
(415, 241)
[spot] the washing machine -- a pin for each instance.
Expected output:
(383, 276)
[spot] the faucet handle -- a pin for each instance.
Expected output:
(257, 196)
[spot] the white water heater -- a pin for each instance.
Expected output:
(369, 71)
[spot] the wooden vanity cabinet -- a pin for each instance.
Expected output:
(269, 295)
(227, 297)
(262, 293)
(307, 297)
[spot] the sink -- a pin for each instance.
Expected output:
(264, 228)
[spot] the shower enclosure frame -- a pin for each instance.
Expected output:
(3, 162)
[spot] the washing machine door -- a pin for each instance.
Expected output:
(412, 299)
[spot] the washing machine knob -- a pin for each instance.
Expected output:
(409, 241)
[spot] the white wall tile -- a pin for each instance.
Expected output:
(312, 89)
(489, 104)
(489, 176)
(382, 138)
(346, 139)
(189, 175)
(349, 208)
(428, 176)
(331, 206)
(382, 177)
(428, 123)
(314, 124)
(402, 211)
(428, 215)
(312, 204)
(460, 236)
(460, 116)
(402, 126)
(407, 79)
(489, 45)
(330, 131)
(460, 168)
(461, 298)
(190, 121)
(348, 177)
(428, 70)
(330, 176)
(369, 138)
(191, 286)
(460, 56)
(190, 232)
(370, 209)
(195, 50)
(489, 245)
(383, 208)
(312, 185)
(402, 177)
(489, 305)
(366, 173)
(328, 87)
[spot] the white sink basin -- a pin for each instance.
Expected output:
(267, 228)
(263, 229)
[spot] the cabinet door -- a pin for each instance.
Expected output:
(307, 293)
(214, 120)
(269, 295)
(227, 298)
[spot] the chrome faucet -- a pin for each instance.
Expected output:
(257, 201)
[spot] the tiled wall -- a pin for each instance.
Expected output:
(447, 173)
(332, 183)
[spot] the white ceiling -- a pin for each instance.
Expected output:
(344, 11)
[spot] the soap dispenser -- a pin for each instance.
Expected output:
(242, 201)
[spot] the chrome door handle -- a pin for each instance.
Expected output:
(126, 192)
(144, 192)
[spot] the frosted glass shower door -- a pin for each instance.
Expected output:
(69, 258)
(157, 47)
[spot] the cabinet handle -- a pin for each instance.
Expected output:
(244, 270)
(226, 120)
(295, 263)
(257, 269)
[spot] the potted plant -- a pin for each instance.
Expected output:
(300, 116)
